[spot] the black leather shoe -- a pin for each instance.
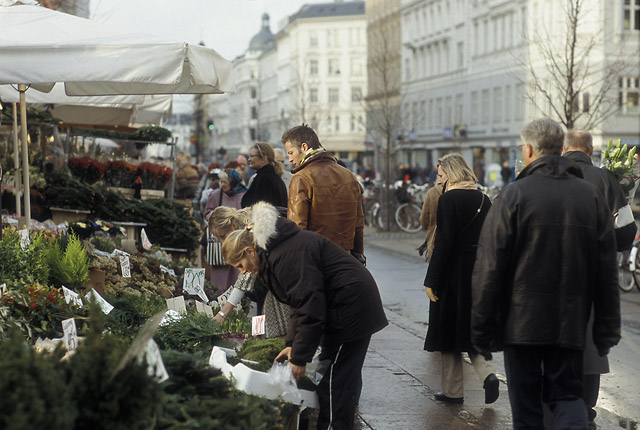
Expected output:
(444, 398)
(491, 388)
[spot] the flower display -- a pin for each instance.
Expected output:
(622, 162)
(120, 174)
(86, 168)
(154, 176)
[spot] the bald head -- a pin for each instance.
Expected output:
(578, 140)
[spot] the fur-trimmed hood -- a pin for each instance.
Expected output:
(269, 228)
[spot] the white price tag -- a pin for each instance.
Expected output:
(177, 304)
(146, 244)
(257, 325)
(3, 288)
(165, 269)
(72, 296)
(70, 334)
(119, 252)
(125, 266)
(224, 297)
(155, 365)
(24, 239)
(104, 305)
(193, 282)
(205, 309)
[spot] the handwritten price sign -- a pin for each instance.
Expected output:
(125, 266)
(70, 334)
(257, 325)
(193, 282)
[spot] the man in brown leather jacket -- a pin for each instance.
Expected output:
(324, 197)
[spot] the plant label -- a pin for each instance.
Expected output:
(3, 288)
(193, 282)
(25, 241)
(257, 325)
(224, 297)
(104, 305)
(205, 309)
(146, 244)
(72, 296)
(119, 252)
(177, 304)
(70, 334)
(155, 365)
(125, 266)
(165, 269)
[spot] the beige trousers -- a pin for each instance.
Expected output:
(452, 373)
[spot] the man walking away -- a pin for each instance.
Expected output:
(579, 147)
(546, 255)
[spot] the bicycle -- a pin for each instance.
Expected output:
(406, 208)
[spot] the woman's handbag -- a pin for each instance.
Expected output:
(214, 250)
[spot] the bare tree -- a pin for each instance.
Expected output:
(383, 102)
(573, 67)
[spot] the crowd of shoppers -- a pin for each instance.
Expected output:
(532, 275)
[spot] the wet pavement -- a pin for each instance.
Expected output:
(400, 378)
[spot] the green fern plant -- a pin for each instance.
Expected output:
(71, 266)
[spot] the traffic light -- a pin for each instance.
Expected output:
(210, 125)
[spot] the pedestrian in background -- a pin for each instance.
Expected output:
(230, 195)
(578, 148)
(323, 196)
(286, 175)
(335, 301)
(546, 254)
(460, 213)
(266, 186)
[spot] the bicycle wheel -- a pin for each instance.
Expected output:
(408, 218)
(380, 216)
(626, 278)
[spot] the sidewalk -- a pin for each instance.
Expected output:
(400, 378)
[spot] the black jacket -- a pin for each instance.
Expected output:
(333, 296)
(546, 253)
(612, 192)
(267, 186)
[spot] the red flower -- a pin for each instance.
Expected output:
(51, 298)
(33, 306)
(33, 299)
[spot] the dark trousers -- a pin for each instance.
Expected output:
(339, 389)
(549, 374)
(591, 389)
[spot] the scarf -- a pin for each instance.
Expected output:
(235, 181)
(462, 185)
(310, 153)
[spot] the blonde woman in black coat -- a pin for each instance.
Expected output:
(460, 214)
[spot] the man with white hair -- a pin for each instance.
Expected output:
(546, 255)
(286, 175)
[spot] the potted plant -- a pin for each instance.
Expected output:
(121, 176)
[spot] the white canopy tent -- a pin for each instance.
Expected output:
(41, 47)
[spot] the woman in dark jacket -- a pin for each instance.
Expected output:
(266, 185)
(334, 299)
(461, 211)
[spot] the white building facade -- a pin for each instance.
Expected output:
(313, 71)
(467, 81)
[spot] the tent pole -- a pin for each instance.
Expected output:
(16, 160)
(174, 149)
(25, 155)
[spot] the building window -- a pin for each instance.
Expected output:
(485, 106)
(423, 115)
(333, 95)
(356, 67)
(414, 115)
(313, 95)
(334, 68)
(448, 111)
(520, 102)
(430, 115)
(497, 104)
(439, 113)
(356, 94)
(459, 110)
(632, 14)
(474, 108)
(585, 102)
(460, 55)
(254, 93)
(336, 123)
(629, 94)
(353, 122)
(254, 112)
(313, 39)
(507, 103)
(407, 69)
(313, 67)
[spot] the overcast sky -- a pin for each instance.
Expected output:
(224, 25)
